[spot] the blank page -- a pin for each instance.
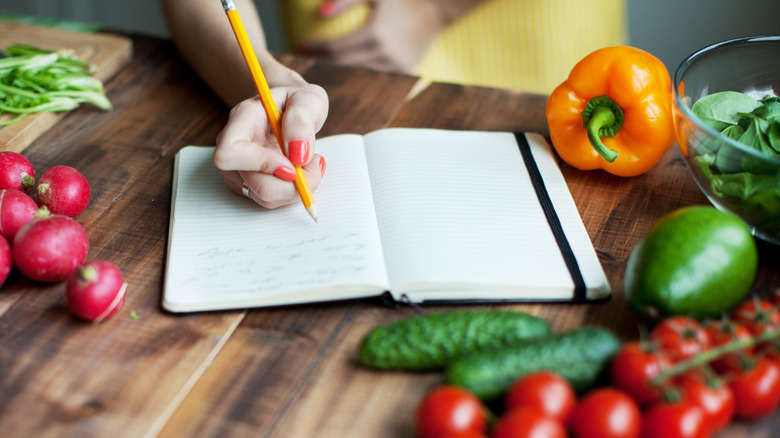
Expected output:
(225, 251)
(457, 211)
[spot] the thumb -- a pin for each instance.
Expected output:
(330, 8)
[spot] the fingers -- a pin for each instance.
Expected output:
(246, 142)
(361, 40)
(272, 192)
(304, 115)
(329, 8)
(247, 150)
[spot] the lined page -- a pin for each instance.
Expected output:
(226, 251)
(457, 211)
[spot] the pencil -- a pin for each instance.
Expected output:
(301, 185)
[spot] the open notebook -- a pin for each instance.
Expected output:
(424, 214)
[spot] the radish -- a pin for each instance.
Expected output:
(16, 172)
(96, 290)
(50, 247)
(6, 260)
(16, 209)
(64, 190)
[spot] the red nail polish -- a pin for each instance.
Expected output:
(298, 152)
(323, 166)
(326, 9)
(284, 173)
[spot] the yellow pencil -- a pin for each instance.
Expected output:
(267, 100)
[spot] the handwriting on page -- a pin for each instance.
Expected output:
(228, 249)
(280, 265)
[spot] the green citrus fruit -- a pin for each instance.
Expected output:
(696, 261)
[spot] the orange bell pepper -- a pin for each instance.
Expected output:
(613, 112)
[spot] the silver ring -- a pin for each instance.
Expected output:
(245, 189)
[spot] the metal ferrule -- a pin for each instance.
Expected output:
(228, 5)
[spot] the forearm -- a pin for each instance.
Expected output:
(451, 10)
(205, 39)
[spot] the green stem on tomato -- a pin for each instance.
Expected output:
(708, 356)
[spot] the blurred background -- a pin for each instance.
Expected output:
(669, 29)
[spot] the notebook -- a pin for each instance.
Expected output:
(420, 215)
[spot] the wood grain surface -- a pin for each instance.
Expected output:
(282, 372)
(107, 52)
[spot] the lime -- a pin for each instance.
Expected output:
(696, 261)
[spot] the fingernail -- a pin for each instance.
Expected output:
(326, 9)
(323, 166)
(298, 152)
(284, 173)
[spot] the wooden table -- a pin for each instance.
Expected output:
(280, 372)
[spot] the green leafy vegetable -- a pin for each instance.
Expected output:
(719, 110)
(745, 182)
(34, 80)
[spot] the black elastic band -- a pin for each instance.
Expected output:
(580, 289)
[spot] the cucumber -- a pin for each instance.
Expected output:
(433, 340)
(579, 356)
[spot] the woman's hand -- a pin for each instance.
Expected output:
(395, 37)
(247, 150)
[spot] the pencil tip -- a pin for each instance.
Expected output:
(312, 212)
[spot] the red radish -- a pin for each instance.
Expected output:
(96, 290)
(16, 209)
(6, 260)
(50, 247)
(64, 190)
(16, 172)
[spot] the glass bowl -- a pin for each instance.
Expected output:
(737, 178)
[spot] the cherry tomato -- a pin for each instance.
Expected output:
(776, 296)
(527, 422)
(632, 368)
(469, 434)
(680, 419)
(606, 413)
(449, 409)
(681, 337)
(756, 389)
(757, 315)
(713, 395)
(723, 332)
(545, 390)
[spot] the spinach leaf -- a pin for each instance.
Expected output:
(744, 182)
(719, 110)
(773, 136)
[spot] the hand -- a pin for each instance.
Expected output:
(394, 39)
(247, 150)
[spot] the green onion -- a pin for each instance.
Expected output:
(34, 80)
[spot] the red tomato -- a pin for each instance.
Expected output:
(756, 389)
(757, 315)
(723, 332)
(449, 409)
(462, 435)
(544, 390)
(713, 396)
(633, 367)
(776, 296)
(680, 337)
(681, 419)
(527, 422)
(606, 413)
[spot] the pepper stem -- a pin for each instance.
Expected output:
(602, 117)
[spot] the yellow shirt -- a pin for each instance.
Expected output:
(526, 45)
